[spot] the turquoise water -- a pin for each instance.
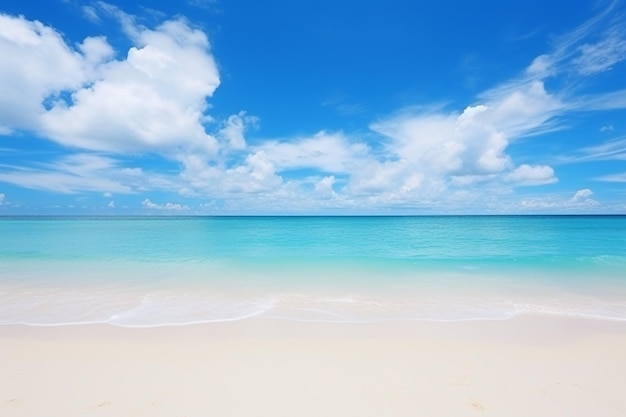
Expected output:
(178, 270)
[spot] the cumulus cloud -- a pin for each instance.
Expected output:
(165, 207)
(457, 144)
(425, 156)
(435, 150)
(581, 195)
(253, 175)
(153, 99)
(324, 187)
(232, 132)
(36, 64)
(328, 152)
(532, 175)
(2, 198)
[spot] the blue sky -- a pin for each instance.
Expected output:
(312, 107)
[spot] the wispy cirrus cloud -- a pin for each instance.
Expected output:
(91, 13)
(611, 150)
(619, 178)
(602, 55)
(614, 149)
(83, 172)
(592, 47)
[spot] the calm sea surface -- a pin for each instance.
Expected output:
(179, 270)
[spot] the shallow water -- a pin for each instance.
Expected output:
(179, 270)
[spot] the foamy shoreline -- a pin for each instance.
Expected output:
(529, 365)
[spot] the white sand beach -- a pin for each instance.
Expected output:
(527, 366)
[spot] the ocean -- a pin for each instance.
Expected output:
(159, 271)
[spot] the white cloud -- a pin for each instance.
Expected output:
(153, 99)
(2, 198)
(328, 152)
(620, 177)
(233, 129)
(540, 67)
(603, 101)
(581, 195)
(95, 50)
(255, 174)
(611, 150)
(532, 175)
(324, 187)
(36, 64)
(111, 204)
(430, 152)
(525, 109)
(602, 55)
(77, 173)
(166, 207)
(374, 177)
(595, 46)
(90, 13)
(581, 201)
(427, 158)
(567, 47)
(607, 128)
(473, 142)
(540, 203)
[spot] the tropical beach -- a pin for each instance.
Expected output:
(312, 208)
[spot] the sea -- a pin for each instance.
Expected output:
(166, 271)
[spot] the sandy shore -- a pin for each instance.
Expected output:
(528, 366)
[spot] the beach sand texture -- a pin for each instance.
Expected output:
(526, 366)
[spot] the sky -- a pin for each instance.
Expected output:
(216, 107)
